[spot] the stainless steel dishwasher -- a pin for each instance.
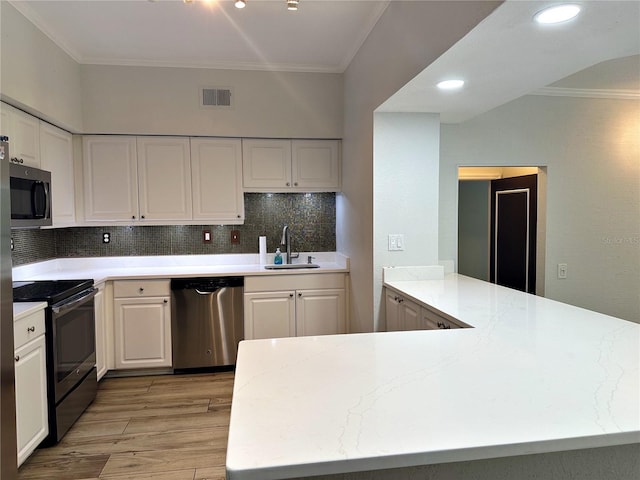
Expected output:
(207, 321)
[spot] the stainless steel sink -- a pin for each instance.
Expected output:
(291, 266)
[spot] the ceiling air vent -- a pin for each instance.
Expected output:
(215, 97)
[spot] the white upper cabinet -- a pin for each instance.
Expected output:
(291, 165)
(110, 178)
(315, 164)
(23, 131)
(216, 179)
(56, 151)
(164, 178)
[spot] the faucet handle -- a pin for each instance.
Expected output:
(309, 259)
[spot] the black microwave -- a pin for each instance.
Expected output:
(30, 196)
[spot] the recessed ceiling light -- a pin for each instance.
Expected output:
(557, 14)
(240, 4)
(292, 5)
(450, 84)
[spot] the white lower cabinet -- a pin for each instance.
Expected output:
(142, 323)
(32, 419)
(402, 314)
(101, 332)
(294, 305)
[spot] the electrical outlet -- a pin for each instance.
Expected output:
(106, 237)
(562, 271)
(235, 236)
(206, 236)
(396, 242)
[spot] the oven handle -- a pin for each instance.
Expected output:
(75, 303)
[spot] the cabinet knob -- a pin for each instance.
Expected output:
(141, 289)
(17, 358)
(142, 217)
(295, 184)
(133, 217)
(239, 216)
(299, 294)
(291, 295)
(288, 184)
(166, 301)
(31, 329)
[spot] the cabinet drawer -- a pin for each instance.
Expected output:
(28, 328)
(275, 282)
(141, 288)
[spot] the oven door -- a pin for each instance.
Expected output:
(73, 341)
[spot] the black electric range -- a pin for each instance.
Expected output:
(50, 291)
(70, 347)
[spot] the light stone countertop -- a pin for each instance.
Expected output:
(23, 309)
(533, 376)
(171, 266)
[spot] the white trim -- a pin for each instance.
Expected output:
(372, 21)
(588, 93)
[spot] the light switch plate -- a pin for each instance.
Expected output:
(396, 242)
(562, 270)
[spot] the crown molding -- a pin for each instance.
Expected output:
(588, 93)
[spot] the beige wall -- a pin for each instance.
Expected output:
(162, 100)
(35, 74)
(591, 148)
(399, 47)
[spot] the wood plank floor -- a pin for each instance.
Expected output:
(169, 427)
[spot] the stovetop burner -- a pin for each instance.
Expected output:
(51, 291)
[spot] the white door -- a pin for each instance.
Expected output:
(315, 165)
(110, 178)
(142, 332)
(266, 164)
(392, 310)
(56, 155)
(320, 312)
(269, 315)
(32, 424)
(216, 172)
(25, 143)
(164, 176)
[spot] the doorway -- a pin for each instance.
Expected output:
(513, 200)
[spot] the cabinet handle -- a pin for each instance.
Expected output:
(299, 294)
(31, 329)
(141, 289)
(142, 217)
(133, 217)
(288, 184)
(291, 295)
(17, 358)
(166, 301)
(239, 216)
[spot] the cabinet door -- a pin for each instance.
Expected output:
(142, 332)
(216, 166)
(411, 315)
(25, 143)
(32, 424)
(269, 315)
(320, 312)
(164, 176)
(110, 178)
(392, 310)
(315, 165)
(266, 165)
(101, 333)
(56, 155)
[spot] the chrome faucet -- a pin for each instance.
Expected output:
(286, 243)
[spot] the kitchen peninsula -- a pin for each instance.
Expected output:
(536, 387)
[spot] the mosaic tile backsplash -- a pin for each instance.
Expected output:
(311, 219)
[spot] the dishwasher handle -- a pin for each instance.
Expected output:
(207, 292)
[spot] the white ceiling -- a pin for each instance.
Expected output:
(322, 36)
(503, 58)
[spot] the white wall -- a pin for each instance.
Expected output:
(35, 74)
(407, 38)
(591, 148)
(162, 100)
(405, 193)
